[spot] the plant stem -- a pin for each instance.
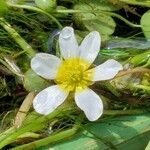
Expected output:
(5, 133)
(11, 69)
(140, 58)
(13, 136)
(70, 132)
(48, 140)
(23, 110)
(30, 135)
(148, 63)
(121, 18)
(104, 12)
(110, 88)
(33, 125)
(19, 40)
(70, 11)
(139, 3)
(125, 112)
(35, 9)
(143, 87)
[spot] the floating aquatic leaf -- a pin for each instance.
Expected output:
(93, 19)
(123, 133)
(100, 5)
(32, 82)
(145, 23)
(47, 5)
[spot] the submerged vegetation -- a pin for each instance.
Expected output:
(28, 27)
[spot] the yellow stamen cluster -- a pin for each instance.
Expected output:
(73, 75)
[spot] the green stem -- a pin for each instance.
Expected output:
(70, 132)
(121, 18)
(143, 87)
(13, 136)
(131, 2)
(140, 58)
(125, 112)
(48, 140)
(18, 54)
(5, 133)
(11, 69)
(110, 88)
(19, 40)
(66, 11)
(148, 63)
(30, 135)
(35, 9)
(71, 11)
(104, 12)
(33, 126)
(4, 50)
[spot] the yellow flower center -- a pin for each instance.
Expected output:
(73, 75)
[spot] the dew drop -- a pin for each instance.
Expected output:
(66, 34)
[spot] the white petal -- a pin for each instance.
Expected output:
(45, 65)
(68, 43)
(90, 103)
(107, 70)
(49, 99)
(90, 46)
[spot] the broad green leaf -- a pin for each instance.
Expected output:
(33, 82)
(100, 5)
(122, 133)
(145, 23)
(47, 5)
(93, 19)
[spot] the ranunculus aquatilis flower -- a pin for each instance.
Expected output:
(73, 73)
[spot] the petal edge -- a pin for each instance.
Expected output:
(90, 46)
(68, 43)
(49, 99)
(90, 103)
(107, 70)
(45, 65)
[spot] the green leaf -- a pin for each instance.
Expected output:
(47, 5)
(148, 146)
(3, 7)
(145, 3)
(122, 133)
(99, 5)
(145, 23)
(33, 82)
(94, 19)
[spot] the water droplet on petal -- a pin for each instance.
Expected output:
(66, 33)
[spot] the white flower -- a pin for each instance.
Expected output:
(73, 74)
